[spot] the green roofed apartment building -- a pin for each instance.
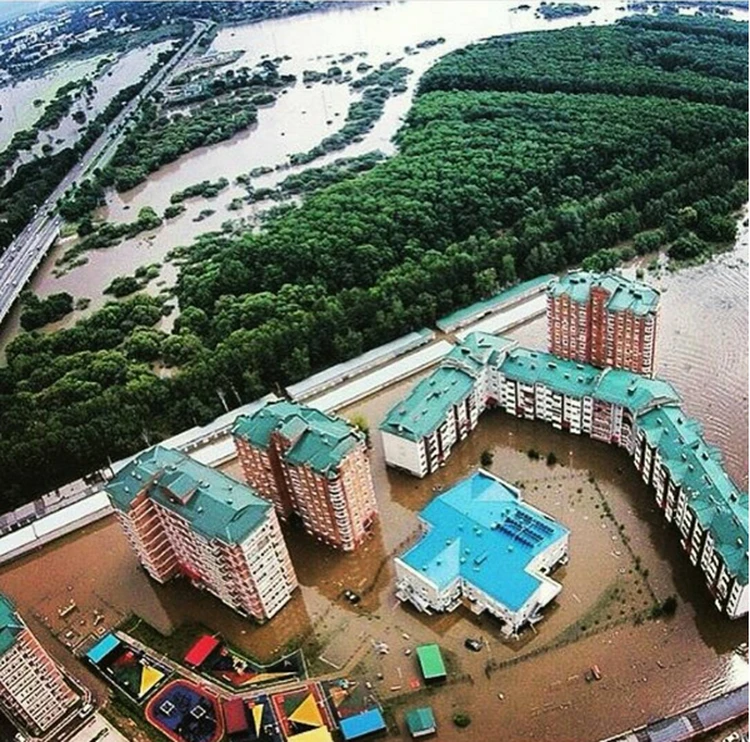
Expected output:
(33, 690)
(606, 320)
(312, 465)
(616, 406)
(698, 496)
(185, 519)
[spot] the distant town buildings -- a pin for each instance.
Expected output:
(606, 320)
(33, 691)
(313, 465)
(481, 545)
(617, 406)
(184, 518)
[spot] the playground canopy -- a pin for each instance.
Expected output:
(235, 718)
(359, 725)
(198, 653)
(321, 734)
(102, 648)
(421, 722)
(431, 662)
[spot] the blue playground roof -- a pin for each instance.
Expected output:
(102, 648)
(481, 530)
(367, 722)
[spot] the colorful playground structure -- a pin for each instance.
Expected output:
(132, 671)
(219, 694)
(214, 659)
(185, 712)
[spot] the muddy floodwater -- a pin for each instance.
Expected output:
(535, 685)
(533, 688)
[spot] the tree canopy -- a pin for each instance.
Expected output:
(521, 155)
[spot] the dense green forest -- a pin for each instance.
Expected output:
(520, 156)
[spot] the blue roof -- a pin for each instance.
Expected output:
(102, 648)
(365, 723)
(481, 530)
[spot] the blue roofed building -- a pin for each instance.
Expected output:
(614, 405)
(483, 546)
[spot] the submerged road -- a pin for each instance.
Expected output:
(23, 255)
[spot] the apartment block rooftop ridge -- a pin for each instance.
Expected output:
(216, 505)
(318, 440)
(624, 294)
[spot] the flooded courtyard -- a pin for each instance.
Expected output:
(623, 559)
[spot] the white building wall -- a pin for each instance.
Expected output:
(404, 454)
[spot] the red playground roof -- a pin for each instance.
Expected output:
(198, 653)
(235, 718)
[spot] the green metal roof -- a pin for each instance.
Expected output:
(431, 661)
(428, 403)
(217, 506)
(425, 408)
(420, 721)
(624, 294)
(451, 321)
(317, 440)
(719, 505)
(478, 350)
(627, 389)
(561, 375)
(10, 624)
(616, 386)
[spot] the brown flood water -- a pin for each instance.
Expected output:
(658, 666)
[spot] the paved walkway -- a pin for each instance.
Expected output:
(692, 722)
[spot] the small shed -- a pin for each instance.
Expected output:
(431, 662)
(198, 653)
(235, 718)
(421, 722)
(360, 725)
(102, 648)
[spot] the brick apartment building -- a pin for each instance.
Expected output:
(33, 691)
(313, 465)
(605, 320)
(185, 519)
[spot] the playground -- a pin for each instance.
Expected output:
(302, 711)
(251, 720)
(130, 670)
(186, 713)
(212, 657)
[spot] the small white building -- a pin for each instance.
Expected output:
(484, 547)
